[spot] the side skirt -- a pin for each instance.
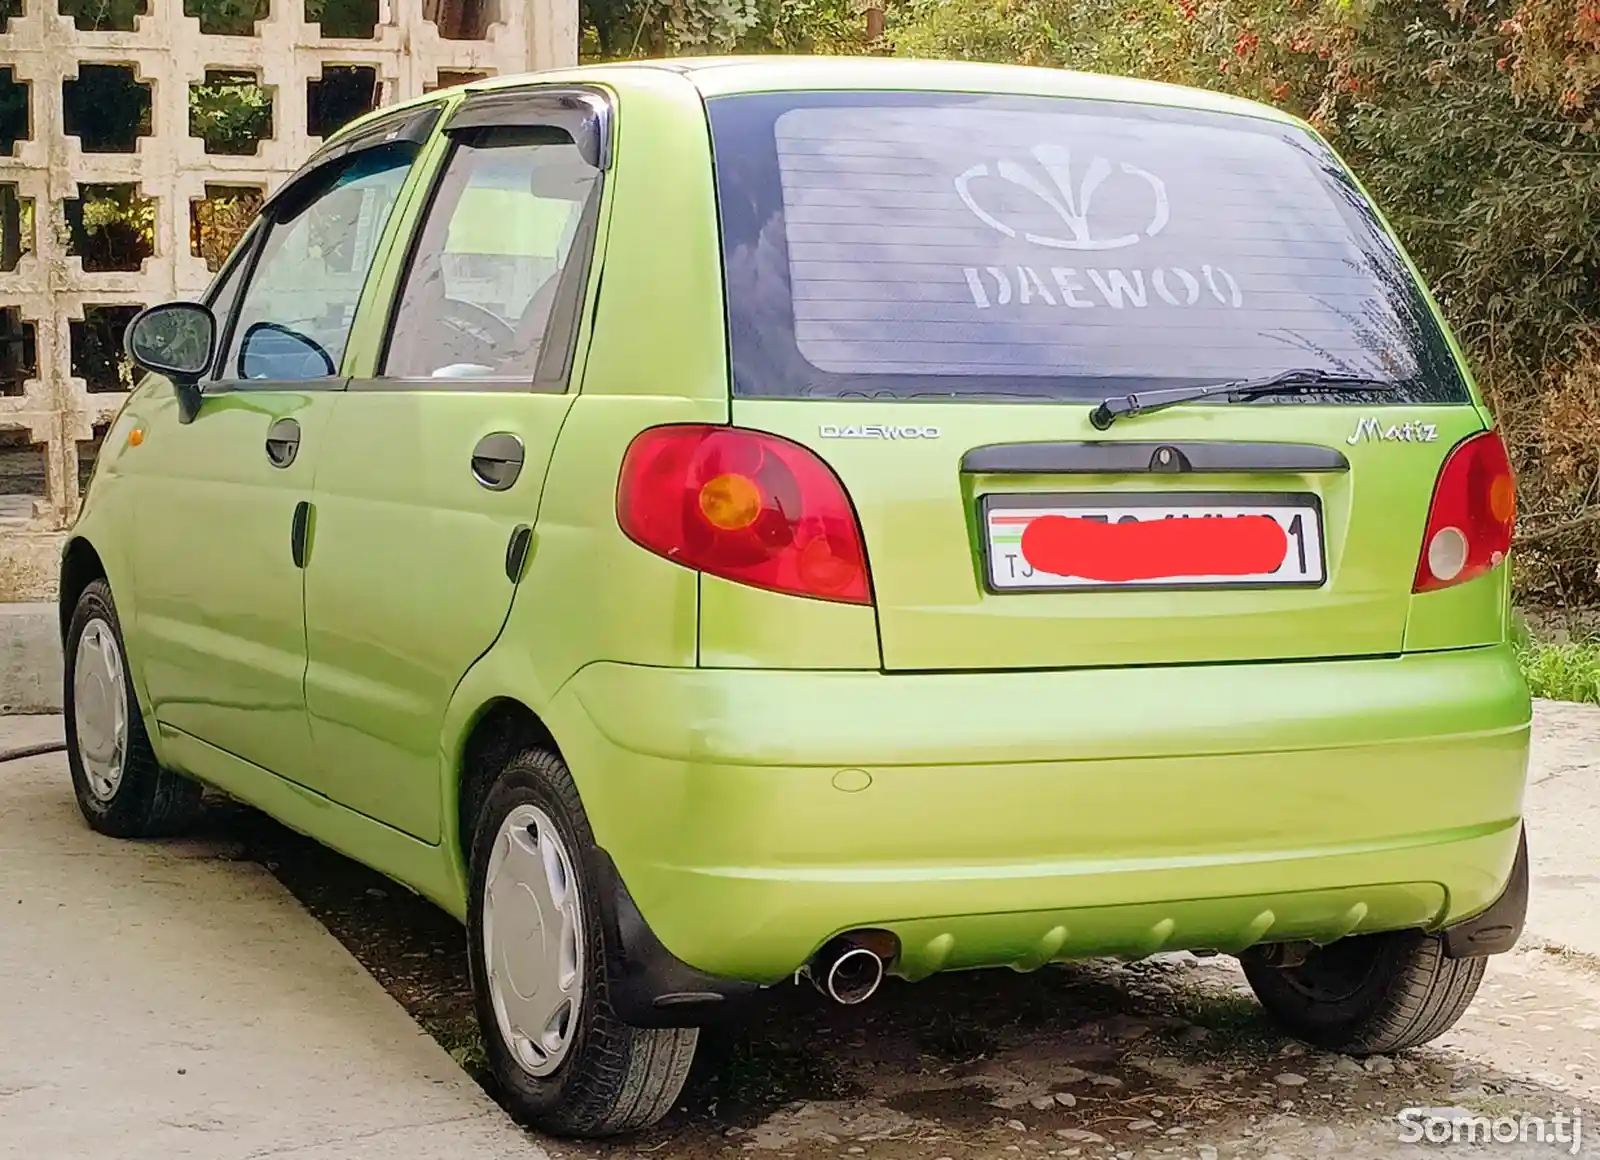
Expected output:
(412, 863)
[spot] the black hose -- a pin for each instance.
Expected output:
(32, 751)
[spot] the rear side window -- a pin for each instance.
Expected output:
(504, 239)
(943, 244)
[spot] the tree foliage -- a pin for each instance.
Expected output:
(1556, 51)
(620, 29)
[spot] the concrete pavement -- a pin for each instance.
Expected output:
(30, 659)
(159, 1001)
(1563, 811)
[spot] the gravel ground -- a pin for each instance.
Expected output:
(1169, 1057)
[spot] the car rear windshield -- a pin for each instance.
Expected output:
(944, 244)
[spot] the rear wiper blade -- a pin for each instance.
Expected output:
(1301, 379)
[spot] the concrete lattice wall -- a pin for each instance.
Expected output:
(52, 424)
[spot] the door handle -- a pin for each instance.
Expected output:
(300, 533)
(283, 442)
(497, 460)
(517, 551)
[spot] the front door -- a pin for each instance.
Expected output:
(425, 514)
(224, 521)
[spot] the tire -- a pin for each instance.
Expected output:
(589, 1074)
(121, 788)
(1370, 994)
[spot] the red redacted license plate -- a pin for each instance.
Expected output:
(1245, 540)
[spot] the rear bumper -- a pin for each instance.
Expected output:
(1016, 818)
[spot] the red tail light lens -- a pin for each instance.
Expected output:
(1473, 515)
(744, 506)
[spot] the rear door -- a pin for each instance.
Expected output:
(934, 290)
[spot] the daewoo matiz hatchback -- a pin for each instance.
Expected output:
(706, 522)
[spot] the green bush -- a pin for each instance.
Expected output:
(1562, 672)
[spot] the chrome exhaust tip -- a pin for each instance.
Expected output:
(854, 977)
(846, 973)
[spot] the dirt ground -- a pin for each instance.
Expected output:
(1168, 1057)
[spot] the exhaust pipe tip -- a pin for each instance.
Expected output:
(851, 968)
(854, 977)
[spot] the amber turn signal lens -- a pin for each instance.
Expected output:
(730, 502)
(136, 437)
(1503, 498)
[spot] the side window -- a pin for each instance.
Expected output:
(507, 239)
(296, 313)
(224, 289)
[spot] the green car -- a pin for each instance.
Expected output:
(704, 523)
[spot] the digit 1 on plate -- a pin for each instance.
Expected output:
(1297, 529)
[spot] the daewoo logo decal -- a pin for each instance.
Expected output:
(1070, 203)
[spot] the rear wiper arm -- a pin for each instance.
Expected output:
(1285, 382)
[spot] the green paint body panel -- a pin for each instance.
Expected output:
(1051, 774)
(221, 618)
(406, 584)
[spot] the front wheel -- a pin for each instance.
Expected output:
(121, 788)
(563, 1060)
(1370, 994)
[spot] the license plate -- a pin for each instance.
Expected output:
(1058, 542)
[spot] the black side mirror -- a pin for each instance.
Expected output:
(178, 340)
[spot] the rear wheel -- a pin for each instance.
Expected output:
(121, 789)
(564, 1062)
(1368, 995)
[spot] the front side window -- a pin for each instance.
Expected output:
(295, 315)
(956, 245)
(224, 289)
(504, 241)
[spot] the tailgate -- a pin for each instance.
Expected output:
(940, 573)
(932, 290)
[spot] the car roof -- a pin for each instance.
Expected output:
(731, 75)
(728, 75)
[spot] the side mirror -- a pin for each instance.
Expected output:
(178, 340)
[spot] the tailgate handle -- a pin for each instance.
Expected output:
(1119, 458)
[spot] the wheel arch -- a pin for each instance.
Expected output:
(81, 566)
(501, 724)
(648, 986)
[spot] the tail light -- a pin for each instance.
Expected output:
(744, 506)
(1472, 517)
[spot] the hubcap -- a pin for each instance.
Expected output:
(533, 940)
(100, 709)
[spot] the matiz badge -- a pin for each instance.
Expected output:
(1369, 430)
(876, 431)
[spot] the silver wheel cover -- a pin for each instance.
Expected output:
(533, 940)
(100, 709)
